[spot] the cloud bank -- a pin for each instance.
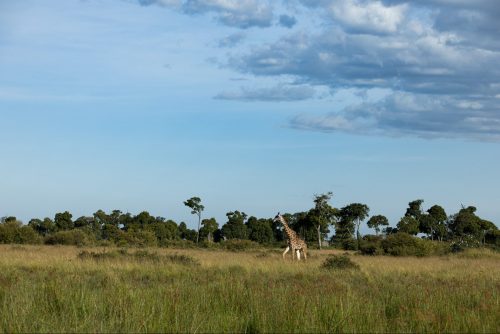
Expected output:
(439, 59)
(241, 14)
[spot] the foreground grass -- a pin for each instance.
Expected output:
(53, 289)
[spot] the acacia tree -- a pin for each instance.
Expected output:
(376, 221)
(196, 208)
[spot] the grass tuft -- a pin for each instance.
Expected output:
(339, 262)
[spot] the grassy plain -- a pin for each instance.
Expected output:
(53, 289)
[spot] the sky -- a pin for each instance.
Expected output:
(252, 105)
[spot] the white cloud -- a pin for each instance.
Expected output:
(236, 13)
(368, 17)
(439, 58)
(407, 114)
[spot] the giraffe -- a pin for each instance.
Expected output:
(294, 241)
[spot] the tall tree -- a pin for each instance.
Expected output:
(465, 224)
(323, 214)
(427, 225)
(356, 213)
(409, 225)
(63, 221)
(196, 208)
(376, 222)
(486, 226)
(209, 226)
(440, 217)
(414, 209)
(350, 218)
(114, 217)
(235, 227)
(260, 230)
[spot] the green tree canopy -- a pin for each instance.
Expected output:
(414, 209)
(209, 226)
(356, 213)
(322, 215)
(376, 222)
(409, 225)
(235, 227)
(196, 208)
(63, 221)
(260, 230)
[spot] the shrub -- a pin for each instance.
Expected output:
(13, 232)
(403, 244)
(236, 245)
(339, 262)
(74, 237)
(27, 235)
(137, 238)
(371, 245)
(349, 244)
(463, 243)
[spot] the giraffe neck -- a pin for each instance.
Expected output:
(291, 233)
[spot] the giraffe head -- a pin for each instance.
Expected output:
(280, 219)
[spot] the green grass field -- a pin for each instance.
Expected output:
(59, 289)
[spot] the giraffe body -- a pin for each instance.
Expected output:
(295, 243)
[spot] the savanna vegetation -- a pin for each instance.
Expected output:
(118, 272)
(80, 289)
(418, 232)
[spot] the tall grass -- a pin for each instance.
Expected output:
(57, 289)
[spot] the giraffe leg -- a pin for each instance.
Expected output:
(298, 254)
(286, 251)
(305, 253)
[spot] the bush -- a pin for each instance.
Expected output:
(237, 245)
(138, 238)
(463, 243)
(349, 244)
(403, 244)
(339, 262)
(371, 245)
(13, 232)
(74, 237)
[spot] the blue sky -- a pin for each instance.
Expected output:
(252, 105)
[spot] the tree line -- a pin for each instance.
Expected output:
(460, 230)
